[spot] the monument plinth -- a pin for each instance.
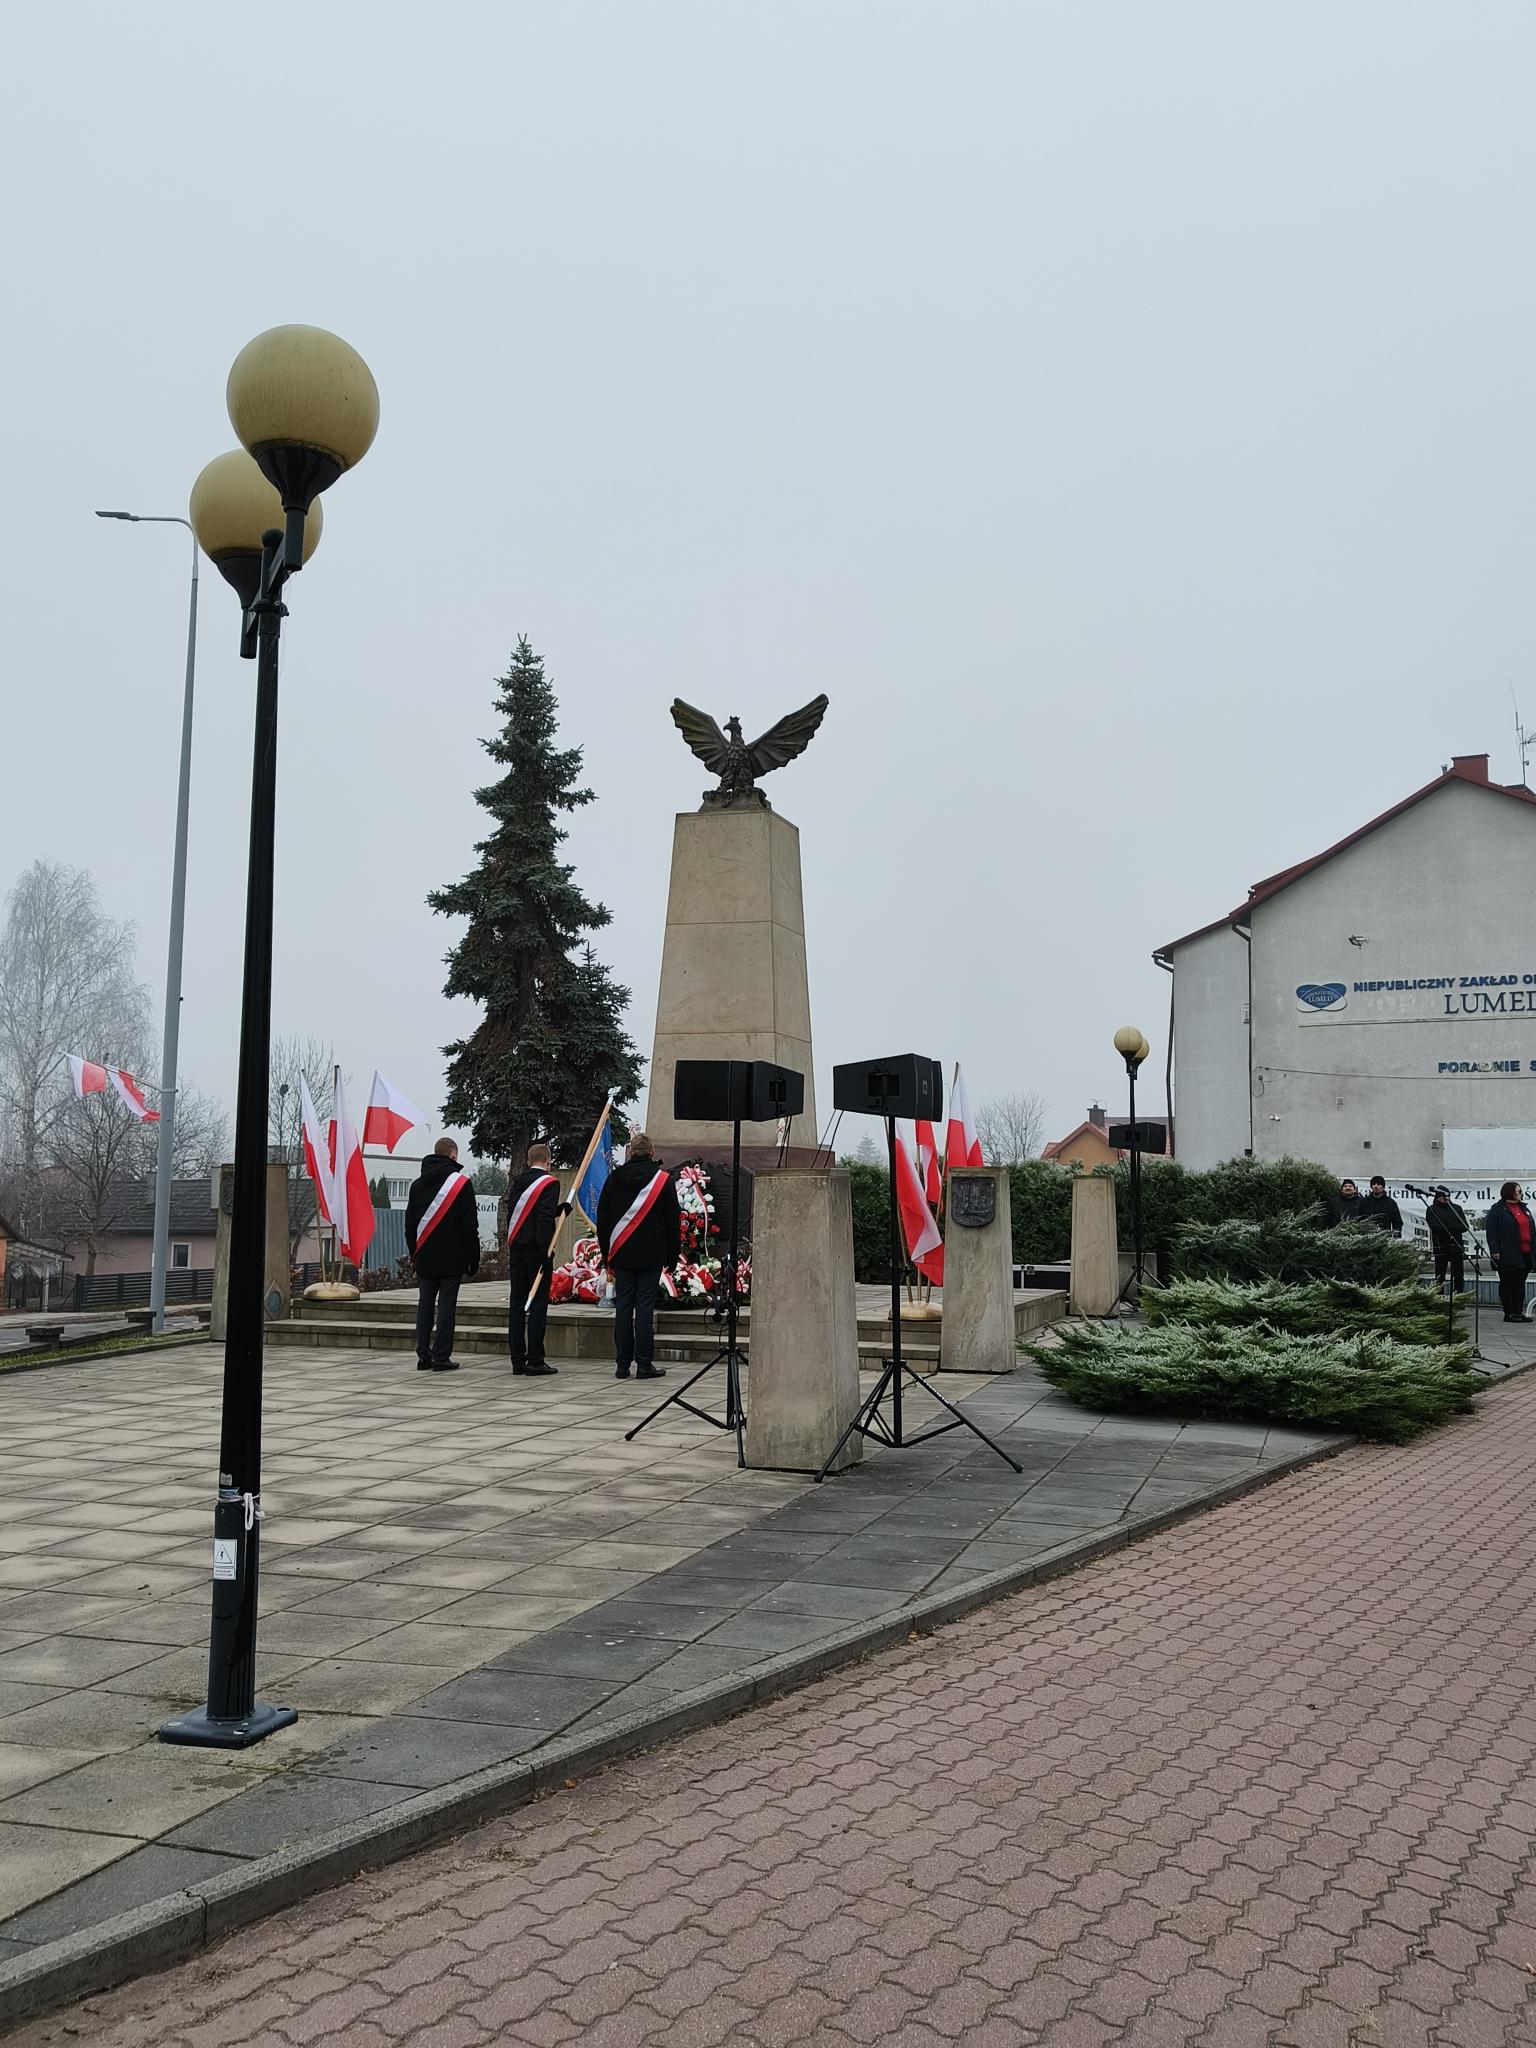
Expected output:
(977, 1334)
(733, 980)
(733, 976)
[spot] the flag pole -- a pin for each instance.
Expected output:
(576, 1179)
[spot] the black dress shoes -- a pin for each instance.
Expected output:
(448, 1365)
(650, 1372)
(532, 1372)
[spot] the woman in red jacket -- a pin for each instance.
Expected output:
(1512, 1246)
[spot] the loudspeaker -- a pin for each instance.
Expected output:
(773, 1092)
(1138, 1137)
(908, 1085)
(728, 1091)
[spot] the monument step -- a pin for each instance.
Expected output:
(1038, 1309)
(561, 1342)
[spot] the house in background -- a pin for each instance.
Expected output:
(27, 1268)
(126, 1243)
(1088, 1146)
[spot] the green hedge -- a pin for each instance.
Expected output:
(1407, 1312)
(1365, 1384)
(1293, 1248)
(1170, 1197)
(871, 1221)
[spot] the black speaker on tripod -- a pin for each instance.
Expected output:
(735, 1091)
(908, 1086)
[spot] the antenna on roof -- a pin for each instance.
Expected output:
(1522, 737)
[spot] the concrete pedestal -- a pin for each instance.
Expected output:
(977, 1331)
(803, 1355)
(1095, 1246)
(733, 980)
(277, 1278)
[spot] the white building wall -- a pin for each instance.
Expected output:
(1210, 1049)
(1440, 896)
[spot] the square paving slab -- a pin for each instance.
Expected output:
(455, 1571)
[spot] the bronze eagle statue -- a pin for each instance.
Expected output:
(737, 764)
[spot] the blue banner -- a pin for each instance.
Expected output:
(592, 1181)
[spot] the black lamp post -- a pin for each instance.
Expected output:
(306, 407)
(1133, 1049)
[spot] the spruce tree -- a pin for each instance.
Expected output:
(551, 1042)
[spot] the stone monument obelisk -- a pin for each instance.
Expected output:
(733, 976)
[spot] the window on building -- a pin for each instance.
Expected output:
(181, 1255)
(399, 1190)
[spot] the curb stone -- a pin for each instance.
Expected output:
(182, 1925)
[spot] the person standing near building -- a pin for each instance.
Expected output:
(1447, 1233)
(1347, 1206)
(1511, 1239)
(1380, 1209)
(639, 1232)
(535, 1208)
(442, 1235)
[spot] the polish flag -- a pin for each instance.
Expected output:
(316, 1152)
(920, 1233)
(928, 1162)
(351, 1204)
(131, 1096)
(962, 1147)
(390, 1115)
(89, 1079)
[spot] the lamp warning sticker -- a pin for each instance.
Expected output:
(224, 1559)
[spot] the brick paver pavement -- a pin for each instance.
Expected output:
(1263, 1779)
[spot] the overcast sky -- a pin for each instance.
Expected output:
(1123, 412)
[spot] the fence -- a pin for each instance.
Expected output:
(107, 1290)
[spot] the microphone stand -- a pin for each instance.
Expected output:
(1427, 1197)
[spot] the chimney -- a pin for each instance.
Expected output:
(1470, 767)
(1097, 1117)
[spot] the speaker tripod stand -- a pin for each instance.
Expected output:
(730, 1354)
(871, 1420)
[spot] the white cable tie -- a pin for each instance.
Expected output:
(253, 1512)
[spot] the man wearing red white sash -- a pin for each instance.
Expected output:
(639, 1232)
(534, 1208)
(442, 1234)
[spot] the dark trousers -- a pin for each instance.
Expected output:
(1450, 1255)
(1512, 1278)
(634, 1316)
(525, 1329)
(436, 1301)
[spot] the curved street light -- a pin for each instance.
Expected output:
(306, 408)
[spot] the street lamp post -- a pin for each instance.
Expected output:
(166, 1152)
(1133, 1049)
(306, 407)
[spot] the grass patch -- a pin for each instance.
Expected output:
(1369, 1385)
(1405, 1312)
(102, 1348)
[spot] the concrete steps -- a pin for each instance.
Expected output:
(387, 1323)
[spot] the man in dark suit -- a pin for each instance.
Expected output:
(442, 1235)
(639, 1232)
(1511, 1236)
(534, 1208)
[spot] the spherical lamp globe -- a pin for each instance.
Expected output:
(231, 507)
(304, 403)
(1129, 1042)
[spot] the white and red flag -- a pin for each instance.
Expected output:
(317, 1158)
(131, 1096)
(920, 1233)
(390, 1114)
(962, 1147)
(88, 1077)
(352, 1205)
(928, 1162)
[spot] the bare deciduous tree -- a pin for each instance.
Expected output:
(1011, 1128)
(66, 985)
